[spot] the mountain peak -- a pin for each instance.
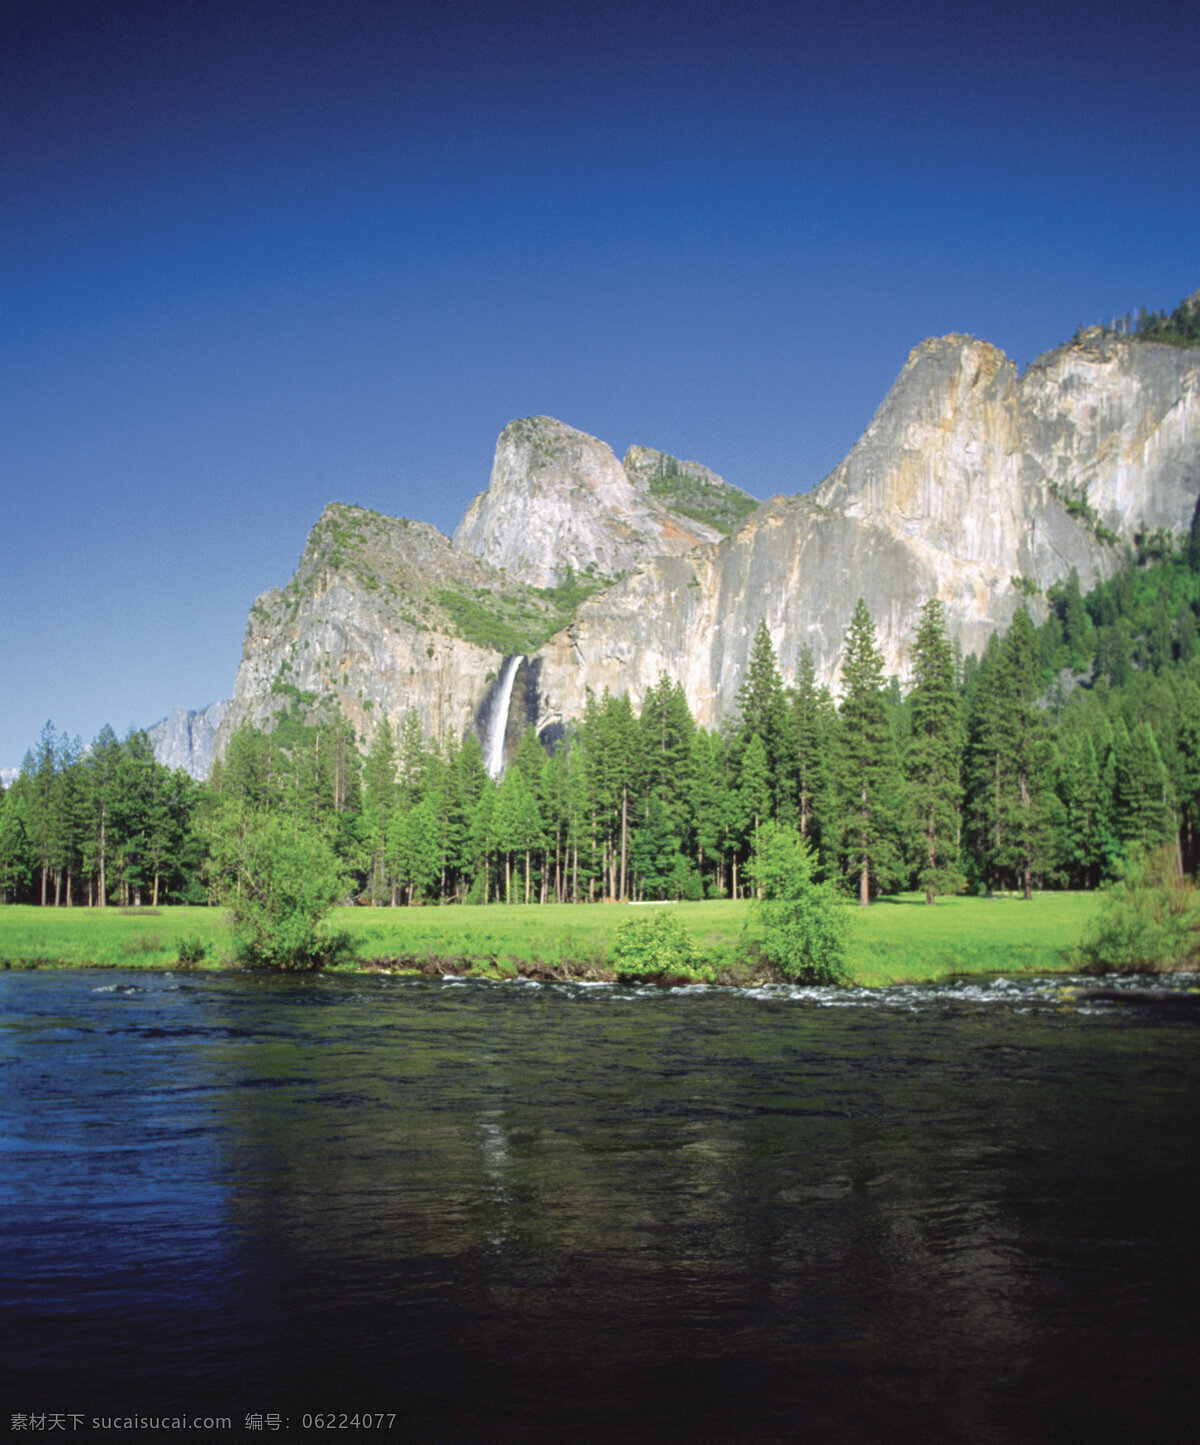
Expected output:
(559, 501)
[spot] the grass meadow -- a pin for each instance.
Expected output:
(896, 940)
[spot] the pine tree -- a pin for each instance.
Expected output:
(810, 768)
(16, 866)
(710, 820)
(554, 802)
(614, 756)
(1079, 634)
(754, 795)
(654, 850)
(245, 768)
(934, 754)
(412, 760)
(1080, 791)
(667, 729)
(518, 826)
(867, 764)
(1153, 817)
(414, 847)
(134, 815)
(1193, 546)
(380, 799)
(483, 838)
(1187, 775)
(763, 713)
(1023, 757)
(579, 819)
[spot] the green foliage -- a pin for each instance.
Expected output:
(487, 626)
(655, 947)
(764, 715)
(796, 923)
(278, 877)
(1180, 328)
(1150, 919)
(654, 854)
(519, 620)
(1079, 508)
(933, 761)
(868, 768)
(192, 950)
(814, 728)
(902, 941)
(1021, 759)
(1084, 741)
(713, 502)
(565, 597)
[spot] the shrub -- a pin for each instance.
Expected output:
(1149, 920)
(192, 950)
(796, 923)
(279, 878)
(656, 946)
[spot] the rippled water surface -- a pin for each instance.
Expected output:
(518, 1211)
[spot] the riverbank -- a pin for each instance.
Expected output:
(896, 940)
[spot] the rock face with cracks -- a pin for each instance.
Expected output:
(559, 499)
(971, 484)
(187, 739)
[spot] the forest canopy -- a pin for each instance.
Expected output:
(1069, 747)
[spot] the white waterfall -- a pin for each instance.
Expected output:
(493, 752)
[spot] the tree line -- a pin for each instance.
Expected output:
(1063, 750)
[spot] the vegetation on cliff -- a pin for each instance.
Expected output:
(1063, 753)
(690, 490)
(1180, 327)
(516, 618)
(408, 578)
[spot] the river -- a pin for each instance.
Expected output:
(512, 1211)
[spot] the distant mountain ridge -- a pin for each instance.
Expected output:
(971, 483)
(188, 740)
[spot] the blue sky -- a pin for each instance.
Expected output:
(256, 257)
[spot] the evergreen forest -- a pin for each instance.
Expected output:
(1067, 748)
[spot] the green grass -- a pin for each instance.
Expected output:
(896, 940)
(902, 940)
(109, 937)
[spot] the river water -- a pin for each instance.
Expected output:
(560, 1212)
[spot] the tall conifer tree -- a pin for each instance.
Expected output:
(1023, 751)
(763, 713)
(814, 724)
(934, 755)
(867, 772)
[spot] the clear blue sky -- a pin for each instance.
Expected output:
(259, 256)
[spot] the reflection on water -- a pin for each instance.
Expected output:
(550, 1212)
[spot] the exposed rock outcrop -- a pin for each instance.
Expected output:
(1115, 425)
(186, 739)
(367, 628)
(971, 484)
(937, 499)
(559, 499)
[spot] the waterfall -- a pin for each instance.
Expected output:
(497, 728)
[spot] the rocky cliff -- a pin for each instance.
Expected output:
(188, 740)
(971, 483)
(558, 499)
(384, 615)
(1114, 426)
